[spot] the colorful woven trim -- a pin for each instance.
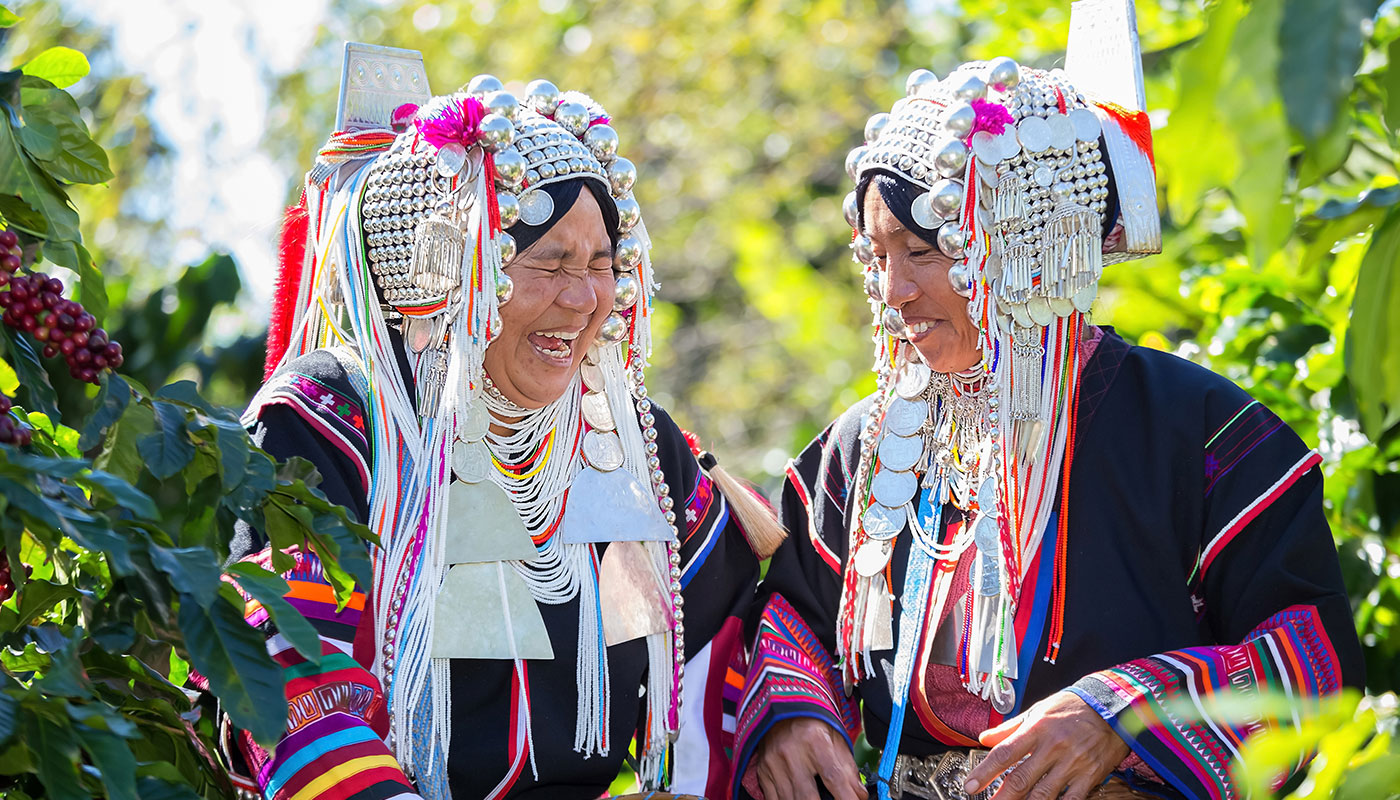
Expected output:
(1165, 706)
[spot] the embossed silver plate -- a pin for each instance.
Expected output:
(612, 507)
(471, 461)
(893, 488)
(375, 80)
(883, 522)
(904, 417)
(900, 453)
(596, 411)
(912, 379)
(602, 450)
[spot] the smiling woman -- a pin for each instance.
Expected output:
(557, 577)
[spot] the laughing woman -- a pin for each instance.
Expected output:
(557, 576)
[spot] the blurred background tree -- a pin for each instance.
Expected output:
(1276, 132)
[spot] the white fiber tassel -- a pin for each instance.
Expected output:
(591, 728)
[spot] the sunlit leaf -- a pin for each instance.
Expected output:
(232, 655)
(1372, 359)
(61, 66)
(269, 590)
(168, 449)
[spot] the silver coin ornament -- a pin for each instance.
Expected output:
(1061, 306)
(1003, 74)
(596, 411)
(985, 533)
(872, 284)
(892, 488)
(989, 583)
(986, 147)
(613, 329)
(482, 85)
(1062, 135)
(946, 198)
(592, 376)
(1004, 696)
(451, 157)
(904, 417)
(509, 207)
(882, 522)
(987, 495)
(542, 96)
(497, 132)
(853, 161)
(871, 557)
(1039, 310)
(892, 322)
(959, 119)
(912, 379)
(951, 158)
(876, 126)
(850, 209)
(622, 174)
(1043, 177)
(505, 289)
(1021, 315)
(602, 142)
(536, 207)
(626, 291)
(922, 212)
(900, 453)
(419, 333)
(1087, 127)
(1008, 146)
(952, 240)
(1034, 134)
(602, 450)
(474, 423)
(919, 81)
(1084, 298)
(471, 461)
(572, 116)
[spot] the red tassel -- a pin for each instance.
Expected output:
(1137, 125)
(291, 255)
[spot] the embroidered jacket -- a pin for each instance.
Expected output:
(1199, 565)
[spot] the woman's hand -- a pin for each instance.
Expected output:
(1066, 746)
(798, 751)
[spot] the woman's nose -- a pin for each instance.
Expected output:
(577, 293)
(898, 282)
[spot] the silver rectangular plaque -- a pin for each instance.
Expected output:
(374, 81)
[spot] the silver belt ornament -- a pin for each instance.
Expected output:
(939, 777)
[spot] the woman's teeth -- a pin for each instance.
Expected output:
(556, 344)
(915, 328)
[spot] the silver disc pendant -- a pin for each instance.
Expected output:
(922, 212)
(900, 453)
(905, 417)
(1086, 124)
(989, 577)
(890, 488)
(1061, 131)
(872, 557)
(1061, 306)
(883, 522)
(1003, 696)
(1043, 177)
(451, 157)
(536, 207)
(592, 376)
(1021, 315)
(987, 495)
(985, 534)
(1084, 298)
(418, 333)
(473, 423)
(1039, 310)
(596, 411)
(602, 450)
(1034, 134)
(471, 461)
(912, 380)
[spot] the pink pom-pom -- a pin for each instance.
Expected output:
(451, 120)
(991, 117)
(402, 116)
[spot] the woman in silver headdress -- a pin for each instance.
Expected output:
(463, 363)
(1033, 537)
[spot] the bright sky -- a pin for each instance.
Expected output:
(208, 64)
